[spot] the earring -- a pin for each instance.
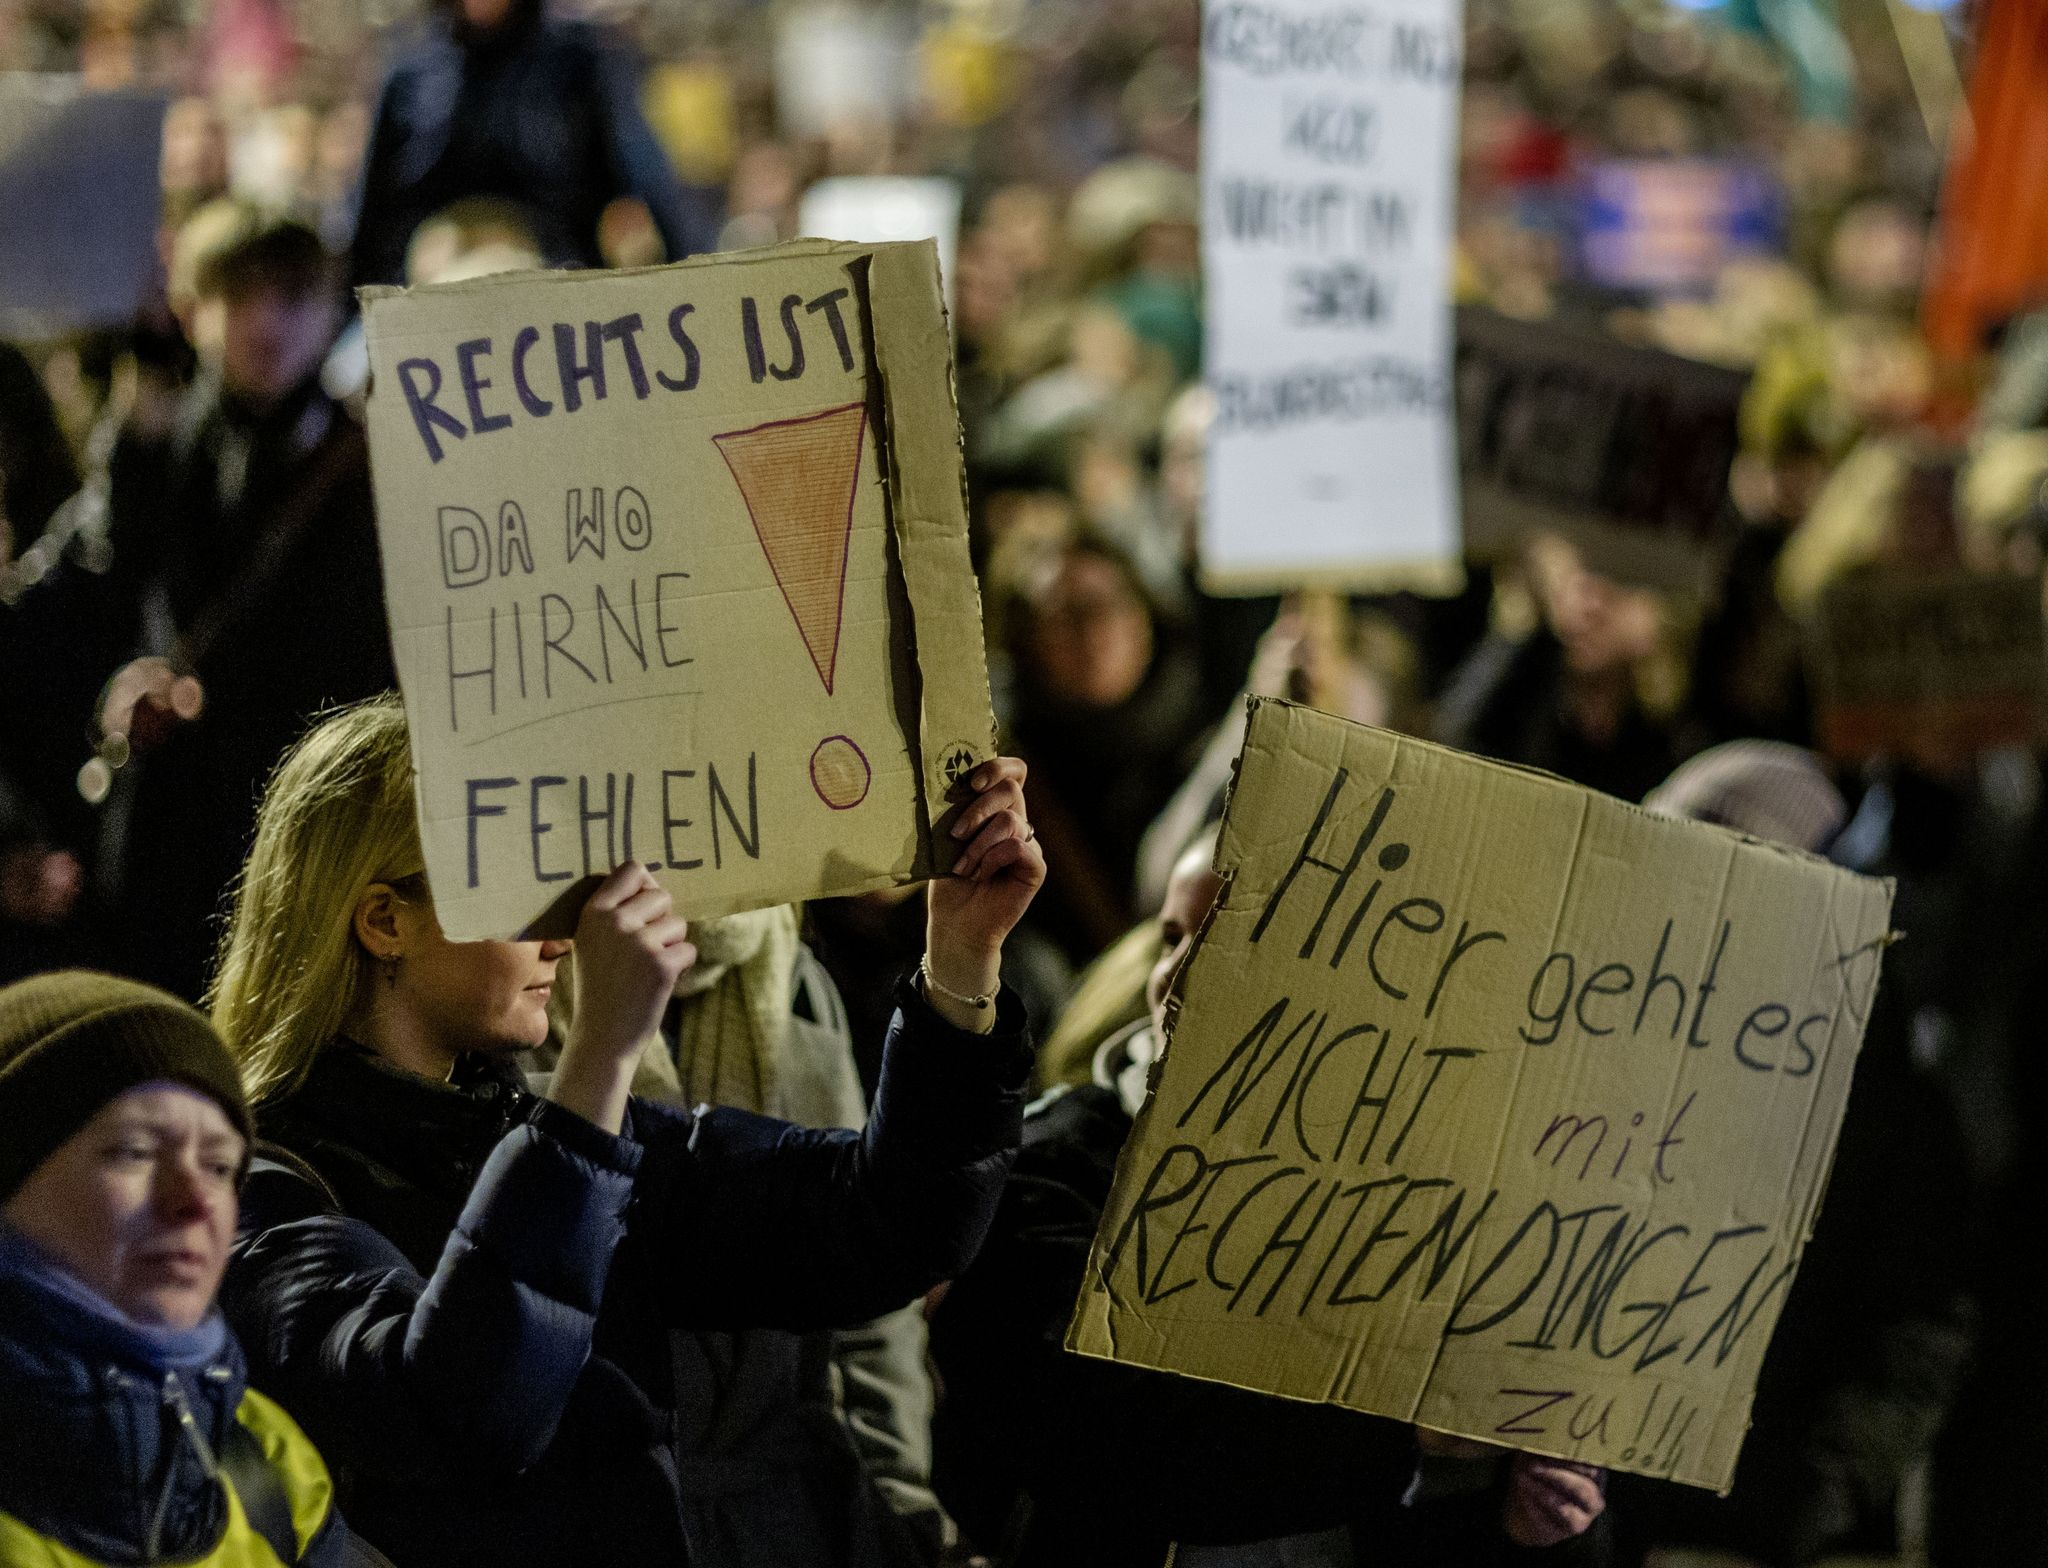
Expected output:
(388, 965)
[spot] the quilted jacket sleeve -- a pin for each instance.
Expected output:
(379, 1363)
(762, 1224)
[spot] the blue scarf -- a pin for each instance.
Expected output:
(77, 1307)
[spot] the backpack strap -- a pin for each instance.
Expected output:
(269, 1161)
(262, 1494)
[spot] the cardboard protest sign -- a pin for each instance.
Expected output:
(1624, 449)
(677, 569)
(1328, 143)
(1957, 663)
(1491, 1104)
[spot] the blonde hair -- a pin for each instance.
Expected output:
(337, 817)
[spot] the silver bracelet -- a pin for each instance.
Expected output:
(931, 984)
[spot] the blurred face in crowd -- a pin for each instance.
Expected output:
(1169, 249)
(1028, 519)
(1104, 349)
(1091, 632)
(1877, 254)
(485, 14)
(1020, 223)
(195, 148)
(765, 179)
(1605, 626)
(139, 1204)
(441, 998)
(1190, 894)
(343, 135)
(985, 289)
(271, 340)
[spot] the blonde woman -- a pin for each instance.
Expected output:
(487, 1308)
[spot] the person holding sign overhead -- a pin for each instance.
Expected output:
(1062, 1460)
(473, 1297)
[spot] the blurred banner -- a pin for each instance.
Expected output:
(1671, 225)
(1911, 666)
(880, 208)
(1991, 259)
(1328, 148)
(79, 188)
(1626, 450)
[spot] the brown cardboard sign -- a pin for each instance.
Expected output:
(1957, 663)
(1491, 1104)
(677, 568)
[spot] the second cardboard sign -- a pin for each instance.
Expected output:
(1491, 1104)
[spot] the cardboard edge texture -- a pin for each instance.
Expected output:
(928, 506)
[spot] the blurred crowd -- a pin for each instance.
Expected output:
(188, 575)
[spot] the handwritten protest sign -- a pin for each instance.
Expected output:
(677, 569)
(1491, 1104)
(1957, 663)
(1328, 138)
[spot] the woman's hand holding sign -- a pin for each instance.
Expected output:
(970, 912)
(631, 949)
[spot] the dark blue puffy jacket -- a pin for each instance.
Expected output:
(508, 1330)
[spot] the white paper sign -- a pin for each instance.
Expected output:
(1329, 134)
(874, 209)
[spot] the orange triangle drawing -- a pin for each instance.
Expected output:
(798, 478)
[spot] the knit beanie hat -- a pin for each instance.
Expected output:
(70, 1041)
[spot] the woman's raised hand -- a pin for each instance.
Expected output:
(631, 949)
(1000, 869)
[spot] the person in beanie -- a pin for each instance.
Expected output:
(127, 1431)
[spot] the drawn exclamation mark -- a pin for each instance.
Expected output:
(1649, 1409)
(1669, 1464)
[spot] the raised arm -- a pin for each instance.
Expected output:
(753, 1222)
